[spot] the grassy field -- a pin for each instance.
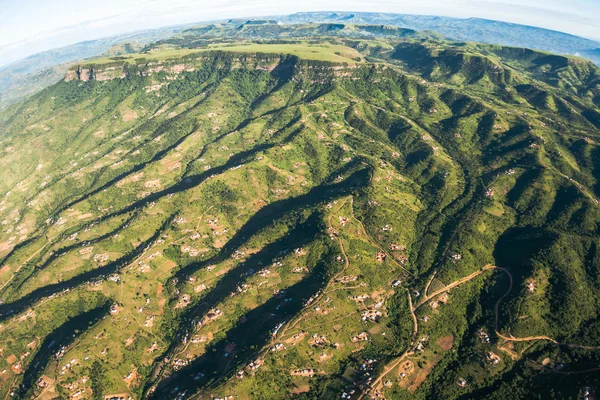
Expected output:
(318, 52)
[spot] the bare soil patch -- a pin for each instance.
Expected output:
(301, 389)
(446, 342)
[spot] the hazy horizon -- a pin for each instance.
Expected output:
(32, 26)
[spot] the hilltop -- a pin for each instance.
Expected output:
(314, 217)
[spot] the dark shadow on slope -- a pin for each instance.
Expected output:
(522, 183)
(55, 255)
(460, 104)
(299, 236)
(515, 250)
(283, 73)
(195, 180)
(266, 215)
(566, 202)
(138, 167)
(592, 116)
(245, 123)
(17, 306)
(160, 154)
(61, 337)
(264, 218)
(595, 169)
(261, 321)
(19, 246)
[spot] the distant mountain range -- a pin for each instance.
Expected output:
(467, 30)
(28, 76)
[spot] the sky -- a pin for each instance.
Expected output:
(30, 26)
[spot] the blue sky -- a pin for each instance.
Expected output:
(30, 26)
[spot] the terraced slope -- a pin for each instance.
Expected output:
(205, 224)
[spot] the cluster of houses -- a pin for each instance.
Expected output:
(149, 321)
(43, 382)
(360, 297)
(28, 314)
(483, 336)
(68, 365)
(255, 365)
(397, 247)
(299, 252)
(238, 254)
(303, 372)
(493, 358)
(455, 257)
(153, 256)
(122, 396)
(386, 228)
(421, 345)
(367, 364)
(153, 348)
(199, 339)
(443, 298)
(347, 279)
(348, 395)
(299, 336)
(199, 288)
(179, 363)
(323, 311)
(277, 347)
(212, 315)
(277, 328)
(311, 299)
(319, 341)
(265, 272)
(101, 258)
(190, 250)
(371, 315)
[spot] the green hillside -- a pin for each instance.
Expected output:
(306, 218)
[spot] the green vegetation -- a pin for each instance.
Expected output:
(302, 218)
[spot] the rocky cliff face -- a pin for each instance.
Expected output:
(95, 73)
(169, 69)
(119, 70)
